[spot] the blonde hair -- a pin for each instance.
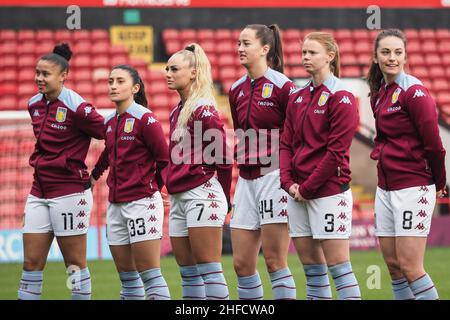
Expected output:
(330, 45)
(201, 88)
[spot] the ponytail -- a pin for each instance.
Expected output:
(270, 36)
(375, 75)
(139, 97)
(201, 88)
(276, 52)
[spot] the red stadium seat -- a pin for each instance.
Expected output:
(100, 89)
(343, 34)
(208, 46)
(82, 74)
(225, 46)
(99, 35)
(81, 35)
(447, 71)
(101, 61)
(443, 98)
(411, 34)
(346, 46)
(8, 35)
(361, 34)
(157, 75)
(102, 102)
(63, 35)
(156, 87)
(444, 46)
(44, 35)
(8, 102)
(116, 49)
(119, 59)
(212, 57)
(170, 35)
(292, 46)
(26, 75)
(205, 34)
(429, 46)
(26, 48)
(443, 34)
(8, 47)
(83, 47)
(223, 34)
(188, 35)
(432, 60)
(299, 72)
(138, 63)
(235, 34)
(228, 73)
(440, 84)
(159, 101)
(8, 61)
(81, 61)
(100, 48)
(437, 72)
(364, 58)
(26, 61)
(291, 35)
(427, 34)
(172, 46)
(26, 35)
(294, 58)
(416, 60)
(445, 59)
(420, 72)
(9, 75)
(363, 47)
(414, 46)
(348, 59)
(84, 88)
(351, 72)
(26, 90)
(226, 60)
(44, 47)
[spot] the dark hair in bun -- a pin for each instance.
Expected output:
(60, 56)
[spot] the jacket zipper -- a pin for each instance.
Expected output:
(247, 124)
(311, 96)
(39, 146)
(115, 157)
(384, 144)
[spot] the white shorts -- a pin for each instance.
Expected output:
(322, 218)
(258, 202)
(64, 216)
(203, 206)
(135, 221)
(404, 213)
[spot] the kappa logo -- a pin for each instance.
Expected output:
(283, 213)
(241, 94)
(152, 219)
(82, 202)
(345, 100)
(342, 216)
(284, 199)
(213, 205)
(207, 113)
(61, 114)
(211, 196)
(420, 226)
(152, 230)
(87, 110)
(81, 214)
(291, 90)
(424, 188)
(299, 100)
(213, 217)
(342, 203)
(109, 129)
(422, 213)
(151, 120)
(36, 113)
(129, 123)
(418, 93)
(207, 184)
(267, 90)
(423, 200)
(152, 206)
(81, 226)
(341, 228)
